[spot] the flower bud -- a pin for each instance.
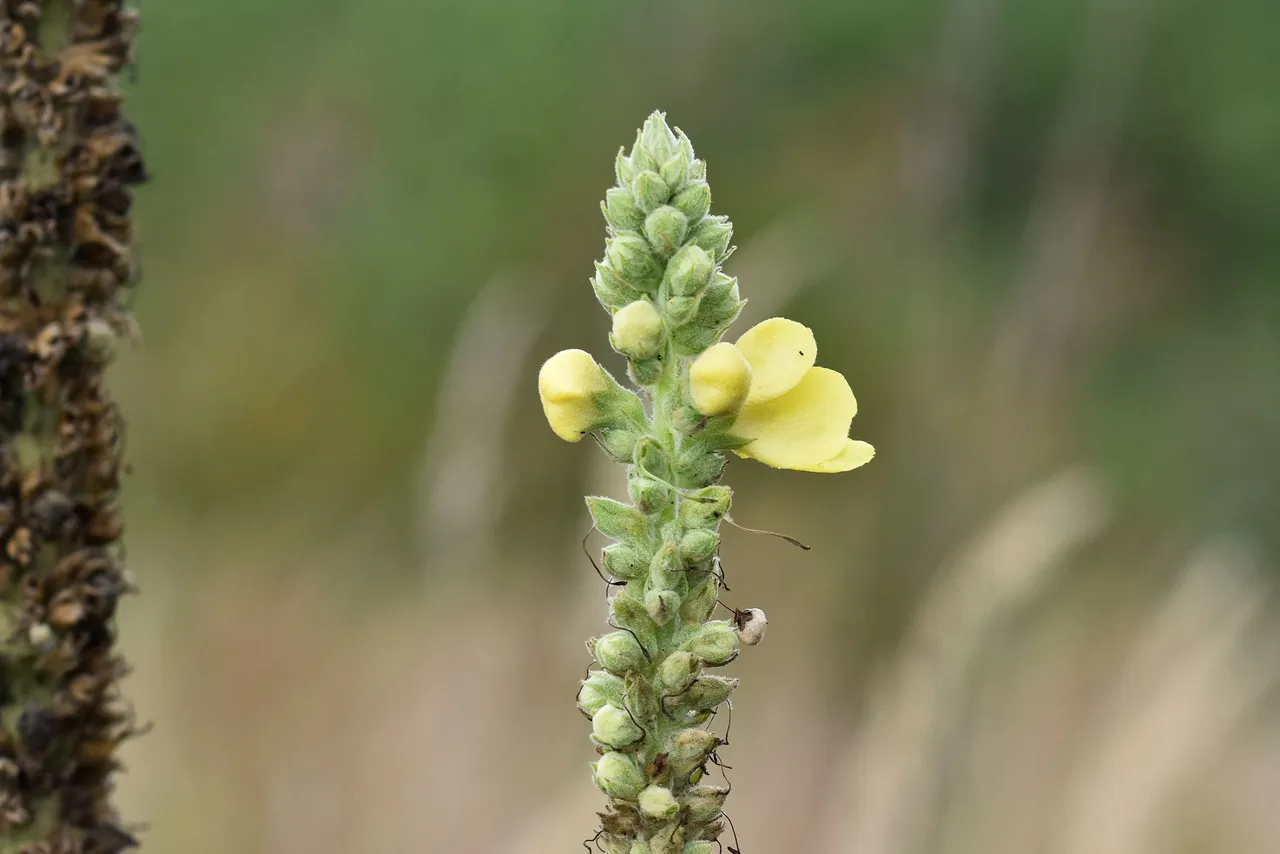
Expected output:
(640, 698)
(617, 776)
(632, 258)
(703, 803)
(599, 689)
(657, 802)
(679, 310)
(716, 643)
(656, 137)
(690, 270)
(693, 201)
(695, 466)
(649, 495)
(639, 847)
(621, 210)
(623, 561)
(619, 652)
(719, 380)
(699, 847)
(713, 234)
(662, 605)
(666, 228)
(699, 603)
(637, 330)
(697, 546)
(612, 292)
(688, 749)
(677, 671)
(616, 520)
(629, 613)
(668, 839)
(751, 625)
(619, 443)
(706, 506)
(651, 190)
(568, 384)
(675, 169)
(99, 341)
(614, 728)
(707, 693)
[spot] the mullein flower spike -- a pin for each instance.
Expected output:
(651, 700)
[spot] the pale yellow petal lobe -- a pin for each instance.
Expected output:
(719, 380)
(779, 351)
(855, 454)
(803, 428)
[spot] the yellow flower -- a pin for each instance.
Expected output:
(719, 380)
(568, 384)
(796, 415)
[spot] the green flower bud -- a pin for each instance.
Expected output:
(703, 803)
(662, 605)
(651, 191)
(616, 520)
(707, 693)
(698, 466)
(666, 228)
(656, 137)
(99, 341)
(631, 614)
(675, 169)
(640, 698)
(623, 561)
(631, 258)
(669, 839)
(649, 495)
(701, 601)
(617, 775)
(713, 234)
(613, 727)
(612, 292)
(597, 690)
(679, 310)
(637, 330)
(688, 749)
(619, 443)
(697, 546)
(646, 372)
(640, 847)
(621, 211)
(694, 201)
(700, 847)
(624, 167)
(716, 643)
(664, 567)
(708, 506)
(677, 671)
(619, 652)
(657, 802)
(690, 271)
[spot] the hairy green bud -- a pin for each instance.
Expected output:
(631, 614)
(706, 506)
(700, 602)
(611, 289)
(690, 271)
(651, 191)
(675, 169)
(617, 775)
(613, 727)
(668, 839)
(662, 605)
(640, 697)
(708, 692)
(619, 443)
(619, 652)
(623, 561)
(698, 546)
(693, 201)
(666, 228)
(657, 802)
(621, 210)
(713, 234)
(616, 520)
(703, 803)
(715, 642)
(688, 750)
(677, 671)
(679, 310)
(631, 257)
(700, 847)
(597, 690)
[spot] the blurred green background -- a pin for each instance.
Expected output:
(1042, 240)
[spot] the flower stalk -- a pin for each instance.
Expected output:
(652, 700)
(68, 162)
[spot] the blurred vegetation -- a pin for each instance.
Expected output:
(1031, 234)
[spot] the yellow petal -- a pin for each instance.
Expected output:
(719, 380)
(779, 351)
(567, 384)
(855, 454)
(804, 427)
